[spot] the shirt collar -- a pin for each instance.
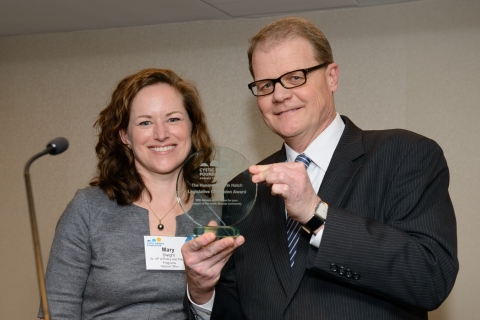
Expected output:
(320, 151)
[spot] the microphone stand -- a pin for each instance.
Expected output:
(36, 241)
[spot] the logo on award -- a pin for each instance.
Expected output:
(221, 187)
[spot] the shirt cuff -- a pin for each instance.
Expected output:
(317, 238)
(202, 311)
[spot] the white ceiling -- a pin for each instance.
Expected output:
(19, 17)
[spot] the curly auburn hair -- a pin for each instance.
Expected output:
(116, 173)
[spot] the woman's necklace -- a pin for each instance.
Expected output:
(160, 224)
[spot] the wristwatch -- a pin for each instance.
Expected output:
(318, 219)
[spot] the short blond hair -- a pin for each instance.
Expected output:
(288, 28)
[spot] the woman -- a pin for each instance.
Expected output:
(96, 269)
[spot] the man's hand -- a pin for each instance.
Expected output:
(204, 259)
(290, 181)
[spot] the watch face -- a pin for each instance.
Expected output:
(322, 210)
(318, 218)
(314, 223)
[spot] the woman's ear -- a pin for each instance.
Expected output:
(124, 136)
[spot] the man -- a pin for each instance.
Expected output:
(379, 236)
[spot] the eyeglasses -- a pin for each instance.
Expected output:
(289, 80)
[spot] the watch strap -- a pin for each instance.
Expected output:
(318, 218)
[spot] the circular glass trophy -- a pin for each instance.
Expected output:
(218, 185)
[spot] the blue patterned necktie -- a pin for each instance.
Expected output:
(293, 226)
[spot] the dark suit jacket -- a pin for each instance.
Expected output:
(388, 250)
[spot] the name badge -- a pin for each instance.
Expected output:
(163, 253)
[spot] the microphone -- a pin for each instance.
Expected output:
(54, 147)
(57, 146)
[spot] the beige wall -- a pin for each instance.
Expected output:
(414, 65)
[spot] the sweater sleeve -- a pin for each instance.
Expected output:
(69, 262)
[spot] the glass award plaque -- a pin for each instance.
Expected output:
(217, 184)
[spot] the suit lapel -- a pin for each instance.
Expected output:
(338, 177)
(342, 167)
(336, 182)
(273, 219)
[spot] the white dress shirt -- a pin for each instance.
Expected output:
(320, 151)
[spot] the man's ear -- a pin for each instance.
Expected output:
(332, 76)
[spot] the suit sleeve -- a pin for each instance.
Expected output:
(227, 302)
(399, 240)
(69, 261)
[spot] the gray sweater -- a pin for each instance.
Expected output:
(96, 268)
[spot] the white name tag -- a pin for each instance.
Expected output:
(163, 253)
